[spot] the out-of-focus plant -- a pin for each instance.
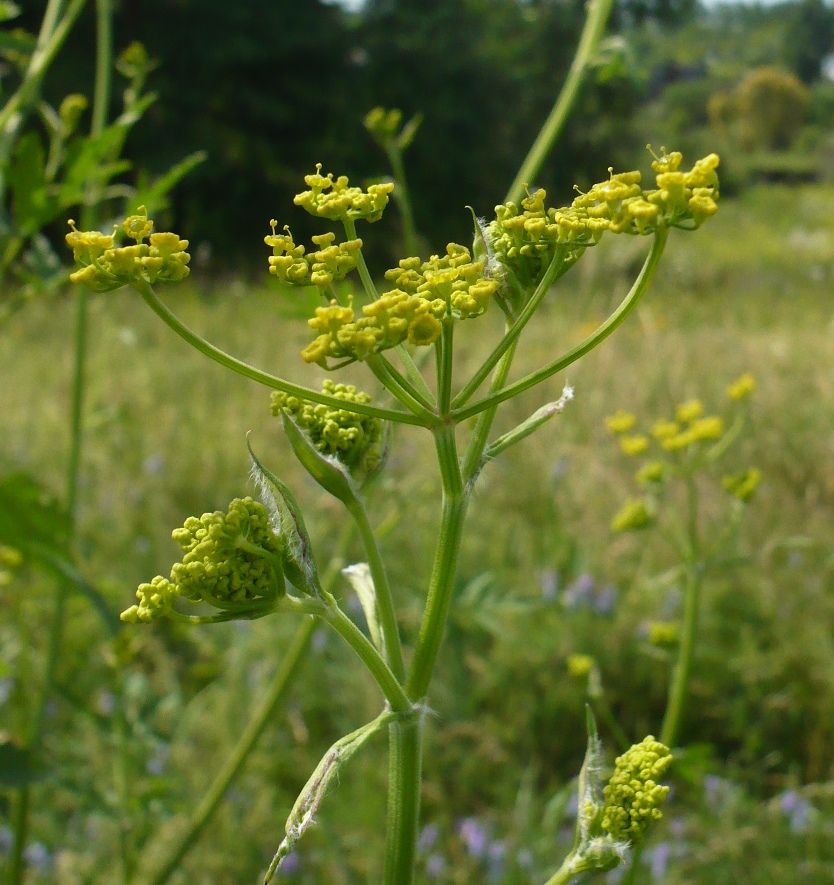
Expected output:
(679, 455)
(51, 164)
(765, 111)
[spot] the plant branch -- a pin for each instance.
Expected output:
(628, 304)
(271, 381)
(598, 12)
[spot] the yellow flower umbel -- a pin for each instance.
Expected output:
(742, 387)
(335, 199)
(231, 560)
(448, 286)
(105, 266)
(293, 265)
(526, 237)
(355, 440)
(633, 796)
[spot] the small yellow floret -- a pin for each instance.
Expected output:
(742, 387)
(634, 445)
(689, 411)
(620, 422)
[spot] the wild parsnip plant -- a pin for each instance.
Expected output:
(256, 558)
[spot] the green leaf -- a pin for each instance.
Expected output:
(153, 195)
(299, 563)
(328, 472)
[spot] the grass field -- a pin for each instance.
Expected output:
(165, 437)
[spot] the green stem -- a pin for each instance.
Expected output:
(598, 12)
(405, 743)
(475, 451)
(382, 591)
(441, 584)
(263, 714)
(364, 274)
(370, 657)
(564, 874)
(679, 684)
(555, 269)
(445, 366)
(625, 307)
(399, 387)
(49, 42)
(272, 381)
(401, 194)
(406, 740)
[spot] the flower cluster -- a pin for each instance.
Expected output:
(335, 199)
(230, 560)
(526, 237)
(632, 796)
(106, 266)
(677, 445)
(356, 440)
(292, 264)
(385, 127)
(448, 286)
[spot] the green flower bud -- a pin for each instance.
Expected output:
(652, 472)
(664, 634)
(580, 666)
(70, 111)
(743, 485)
(355, 440)
(635, 514)
(632, 796)
(231, 560)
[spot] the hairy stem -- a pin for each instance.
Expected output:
(382, 591)
(679, 685)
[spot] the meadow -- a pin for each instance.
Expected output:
(542, 577)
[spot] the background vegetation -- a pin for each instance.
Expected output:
(542, 577)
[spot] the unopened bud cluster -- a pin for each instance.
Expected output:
(356, 440)
(633, 796)
(448, 286)
(230, 560)
(526, 237)
(106, 266)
